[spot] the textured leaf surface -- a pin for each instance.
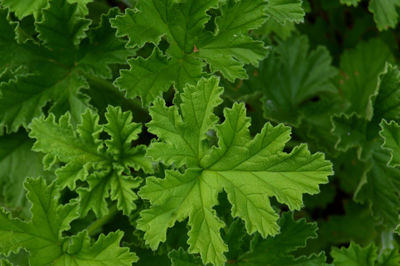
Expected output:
(105, 164)
(385, 13)
(354, 255)
(14, 149)
(54, 68)
(360, 69)
(290, 77)
(250, 170)
(284, 11)
(191, 47)
(42, 236)
(276, 250)
(23, 8)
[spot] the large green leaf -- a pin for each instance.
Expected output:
(250, 170)
(191, 45)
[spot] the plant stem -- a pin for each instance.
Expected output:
(96, 225)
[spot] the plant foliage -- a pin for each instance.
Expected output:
(194, 132)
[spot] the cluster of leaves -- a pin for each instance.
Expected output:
(191, 132)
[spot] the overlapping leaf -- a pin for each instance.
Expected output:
(14, 150)
(380, 183)
(250, 170)
(192, 46)
(43, 236)
(270, 251)
(291, 77)
(277, 250)
(55, 66)
(385, 12)
(104, 164)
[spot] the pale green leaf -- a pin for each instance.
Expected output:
(105, 164)
(265, 170)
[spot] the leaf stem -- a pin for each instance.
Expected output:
(96, 225)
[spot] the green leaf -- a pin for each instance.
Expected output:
(15, 149)
(360, 69)
(43, 235)
(390, 132)
(55, 77)
(379, 187)
(181, 258)
(290, 77)
(104, 164)
(264, 169)
(355, 255)
(356, 131)
(277, 250)
(385, 13)
(284, 11)
(23, 8)
(191, 46)
(61, 15)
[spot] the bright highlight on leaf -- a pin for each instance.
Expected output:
(43, 236)
(249, 170)
(104, 164)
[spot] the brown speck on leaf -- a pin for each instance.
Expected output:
(356, 73)
(195, 49)
(255, 73)
(341, 81)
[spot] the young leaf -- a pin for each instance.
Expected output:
(105, 165)
(250, 170)
(191, 46)
(43, 236)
